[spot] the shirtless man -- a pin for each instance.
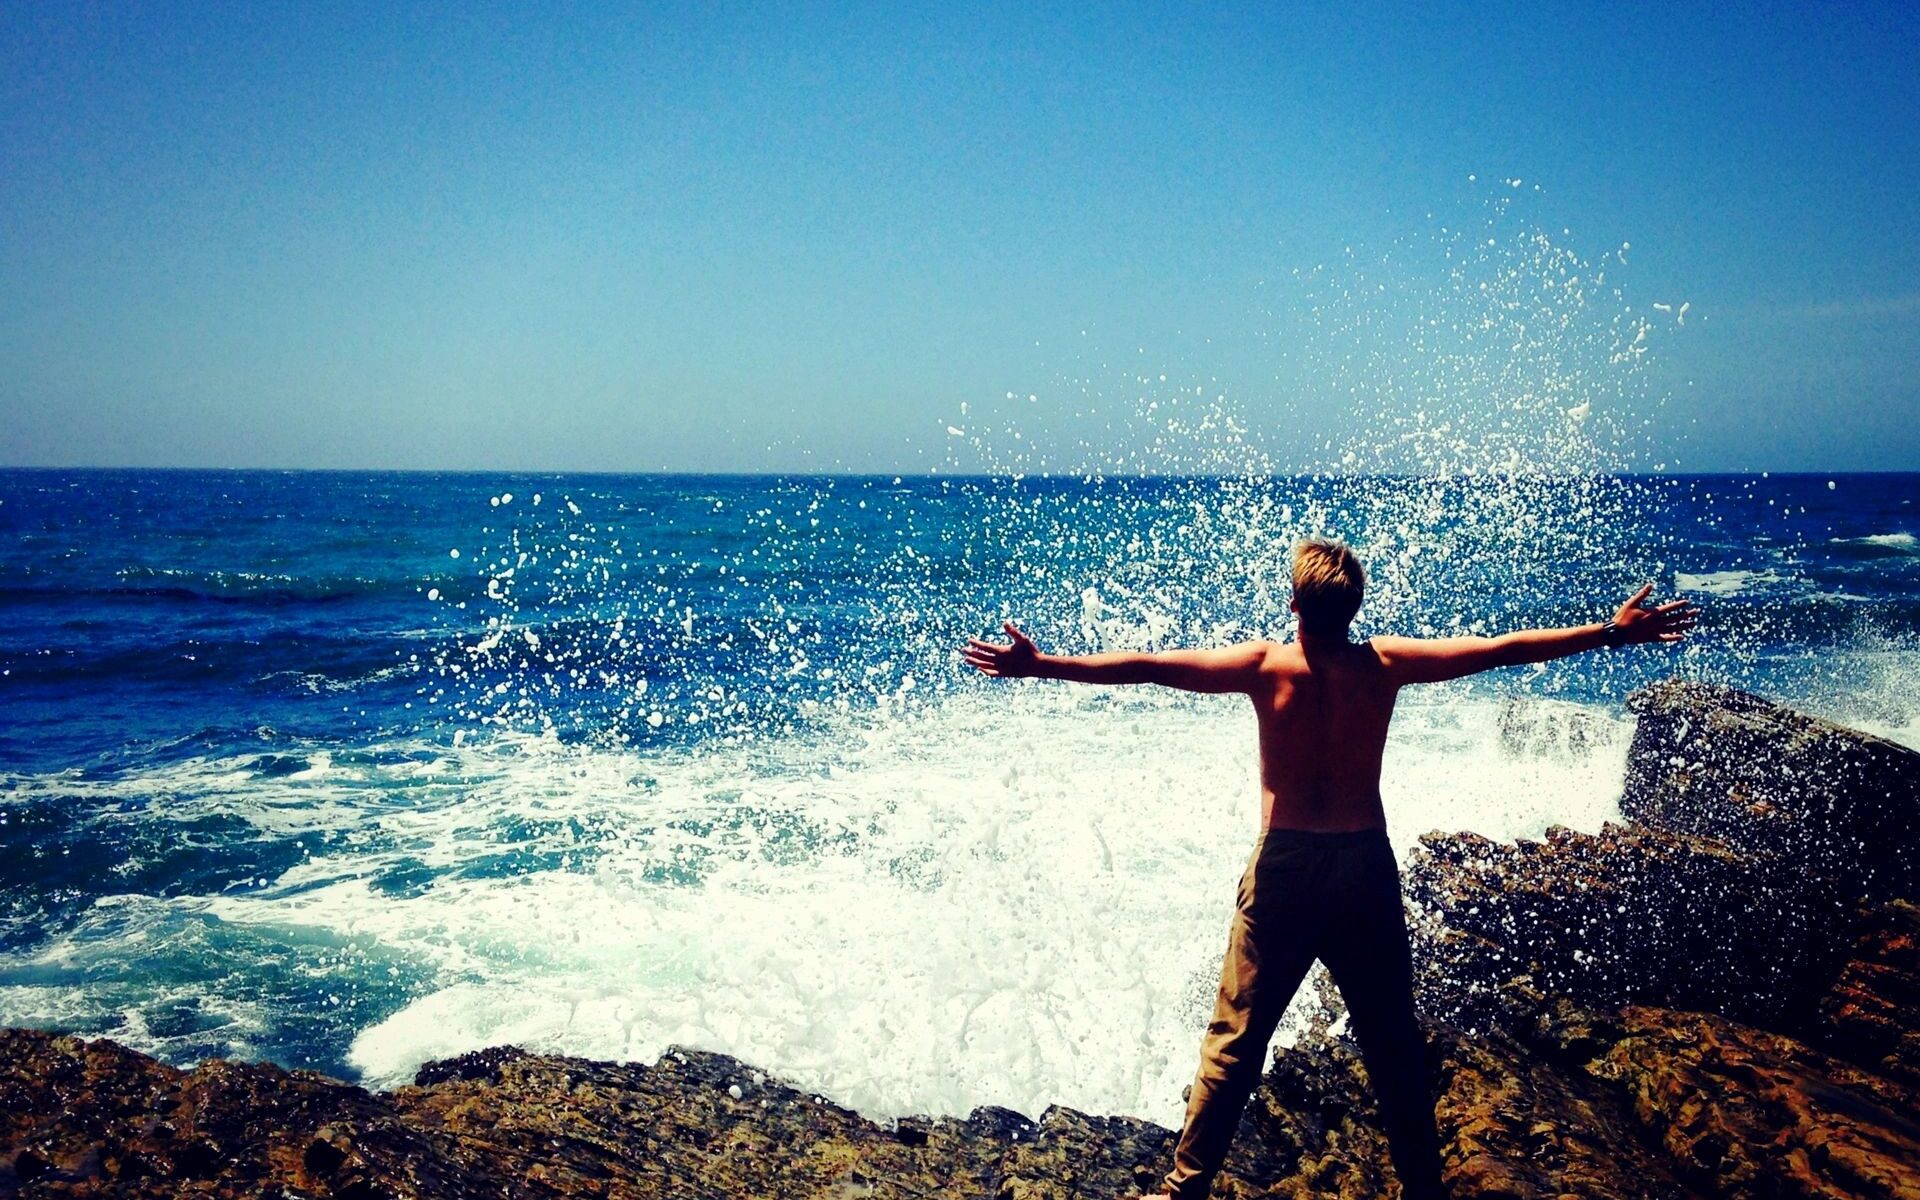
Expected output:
(1322, 882)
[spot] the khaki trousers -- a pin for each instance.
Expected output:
(1335, 897)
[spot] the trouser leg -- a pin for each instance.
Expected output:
(1267, 956)
(1372, 964)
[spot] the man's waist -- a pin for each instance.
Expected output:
(1282, 834)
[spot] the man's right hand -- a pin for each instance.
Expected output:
(1667, 622)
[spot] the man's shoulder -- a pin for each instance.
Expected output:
(1269, 651)
(1387, 645)
(1279, 658)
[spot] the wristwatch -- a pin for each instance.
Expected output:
(1612, 635)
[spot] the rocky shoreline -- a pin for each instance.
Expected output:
(1719, 998)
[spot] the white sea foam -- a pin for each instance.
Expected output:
(1891, 541)
(1723, 583)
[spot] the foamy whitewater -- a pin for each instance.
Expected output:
(355, 771)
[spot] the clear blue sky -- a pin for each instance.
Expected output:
(602, 237)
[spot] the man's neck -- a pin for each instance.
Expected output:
(1312, 642)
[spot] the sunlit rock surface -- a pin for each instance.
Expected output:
(1868, 1014)
(1721, 999)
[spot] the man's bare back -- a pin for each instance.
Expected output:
(1323, 712)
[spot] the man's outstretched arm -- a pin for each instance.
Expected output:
(1432, 660)
(1228, 669)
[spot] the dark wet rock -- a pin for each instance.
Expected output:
(1762, 778)
(1719, 999)
(1626, 915)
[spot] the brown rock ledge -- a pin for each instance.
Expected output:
(96, 1119)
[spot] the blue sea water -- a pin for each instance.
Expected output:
(348, 771)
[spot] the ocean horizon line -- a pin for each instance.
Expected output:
(973, 476)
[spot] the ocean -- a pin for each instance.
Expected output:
(351, 771)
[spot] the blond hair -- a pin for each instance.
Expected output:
(1327, 584)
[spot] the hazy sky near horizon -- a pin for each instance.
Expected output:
(603, 237)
